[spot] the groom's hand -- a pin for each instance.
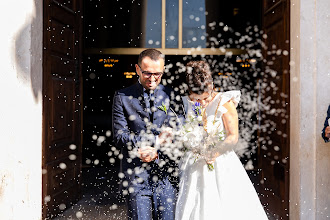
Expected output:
(147, 154)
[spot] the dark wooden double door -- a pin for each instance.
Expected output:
(62, 107)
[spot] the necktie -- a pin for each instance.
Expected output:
(151, 107)
(149, 100)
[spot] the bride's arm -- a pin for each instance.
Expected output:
(230, 121)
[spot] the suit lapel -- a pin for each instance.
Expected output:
(160, 99)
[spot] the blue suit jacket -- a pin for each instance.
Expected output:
(326, 124)
(129, 120)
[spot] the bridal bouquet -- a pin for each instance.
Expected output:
(195, 137)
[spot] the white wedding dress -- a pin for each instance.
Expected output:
(224, 193)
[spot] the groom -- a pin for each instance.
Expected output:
(138, 113)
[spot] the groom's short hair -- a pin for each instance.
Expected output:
(199, 77)
(153, 54)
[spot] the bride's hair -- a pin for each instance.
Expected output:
(199, 77)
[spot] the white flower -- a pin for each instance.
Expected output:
(189, 127)
(190, 116)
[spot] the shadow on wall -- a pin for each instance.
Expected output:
(28, 51)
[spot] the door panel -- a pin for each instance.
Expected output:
(274, 132)
(62, 39)
(63, 114)
(62, 109)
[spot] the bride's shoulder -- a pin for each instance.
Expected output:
(232, 93)
(233, 96)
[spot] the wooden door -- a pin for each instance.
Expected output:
(62, 106)
(275, 95)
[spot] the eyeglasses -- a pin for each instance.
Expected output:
(147, 74)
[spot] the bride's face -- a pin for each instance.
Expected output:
(203, 98)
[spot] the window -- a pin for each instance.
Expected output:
(177, 27)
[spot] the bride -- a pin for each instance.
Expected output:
(225, 192)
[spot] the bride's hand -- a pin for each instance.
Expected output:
(210, 161)
(212, 157)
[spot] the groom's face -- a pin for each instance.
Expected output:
(150, 72)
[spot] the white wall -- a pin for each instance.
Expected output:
(20, 109)
(310, 97)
